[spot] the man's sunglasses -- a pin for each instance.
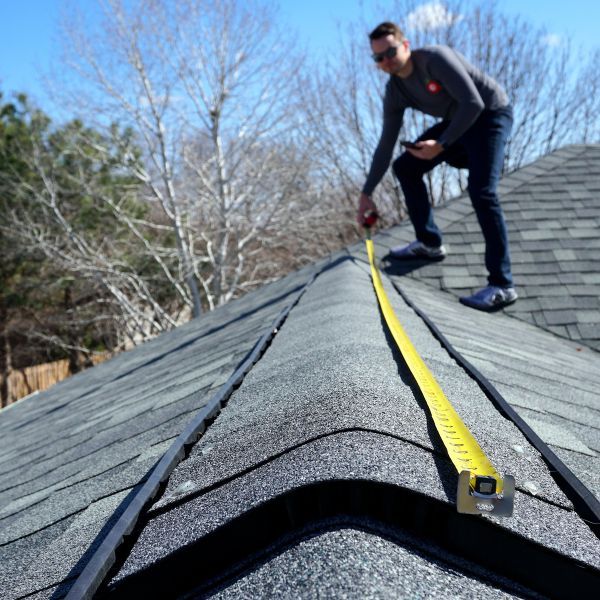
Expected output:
(389, 53)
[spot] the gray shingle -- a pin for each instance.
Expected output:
(560, 317)
(350, 563)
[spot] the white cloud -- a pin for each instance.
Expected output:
(432, 15)
(552, 39)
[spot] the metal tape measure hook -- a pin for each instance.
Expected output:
(476, 502)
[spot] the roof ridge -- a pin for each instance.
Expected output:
(313, 508)
(542, 164)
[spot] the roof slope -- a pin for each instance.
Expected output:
(74, 456)
(323, 474)
(552, 210)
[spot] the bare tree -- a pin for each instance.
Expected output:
(211, 93)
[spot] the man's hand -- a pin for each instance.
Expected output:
(366, 208)
(426, 149)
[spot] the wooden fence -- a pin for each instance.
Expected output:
(22, 382)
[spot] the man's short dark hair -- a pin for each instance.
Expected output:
(386, 28)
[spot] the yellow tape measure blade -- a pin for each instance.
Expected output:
(484, 490)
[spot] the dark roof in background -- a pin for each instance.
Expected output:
(325, 425)
(552, 209)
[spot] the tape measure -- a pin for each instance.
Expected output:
(481, 490)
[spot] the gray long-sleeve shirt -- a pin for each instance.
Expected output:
(442, 84)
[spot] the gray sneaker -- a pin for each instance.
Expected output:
(490, 298)
(417, 249)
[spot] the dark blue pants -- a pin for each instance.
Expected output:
(480, 150)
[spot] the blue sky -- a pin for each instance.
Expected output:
(28, 43)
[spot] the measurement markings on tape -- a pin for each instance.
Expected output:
(481, 490)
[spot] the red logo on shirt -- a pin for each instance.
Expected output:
(433, 87)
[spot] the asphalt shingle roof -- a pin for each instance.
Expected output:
(552, 210)
(323, 470)
(364, 565)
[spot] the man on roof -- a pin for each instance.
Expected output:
(476, 122)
